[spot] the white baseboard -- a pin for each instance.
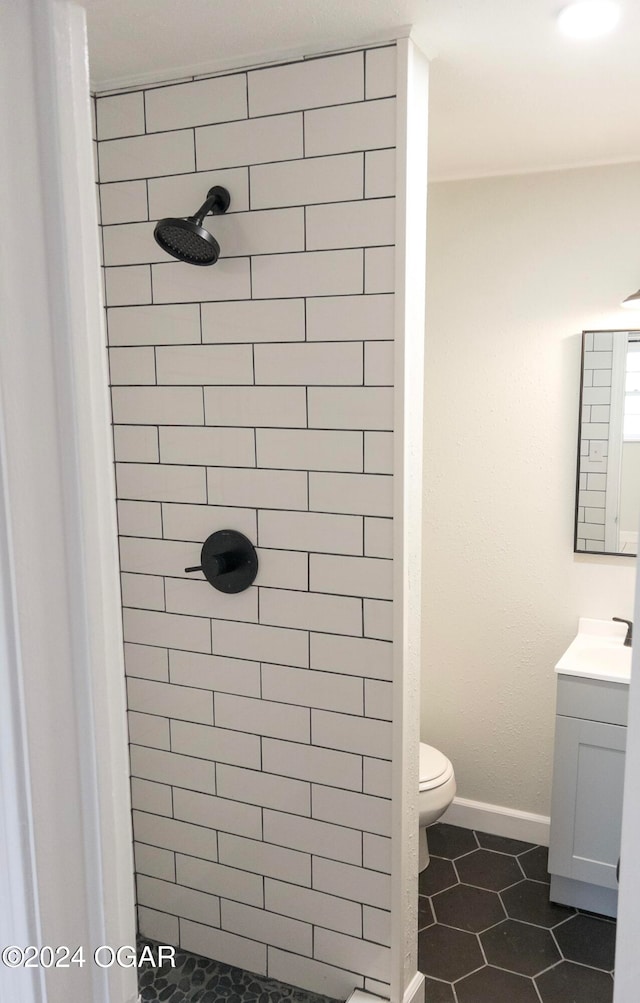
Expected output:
(414, 993)
(360, 996)
(498, 821)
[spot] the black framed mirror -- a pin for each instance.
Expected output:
(608, 476)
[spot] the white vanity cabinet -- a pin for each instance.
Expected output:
(588, 775)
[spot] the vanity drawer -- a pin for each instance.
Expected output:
(592, 699)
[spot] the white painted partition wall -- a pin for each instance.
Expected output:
(65, 854)
(411, 217)
(627, 970)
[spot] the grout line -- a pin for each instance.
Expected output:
(339, 154)
(228, 898)
(253, 839)
(353, 389)
(354, 715)
(294, 59)
(240, 623)
(362, 102)
(550, 968)
(326, 203)
(246, 93)
(538, 994)
(153, 464)
(482, 951)
(340, 250)
(261, 299)
(282, 738)
(364, 75)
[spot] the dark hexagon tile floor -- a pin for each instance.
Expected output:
(569, 983)
(520, 947)
(492, 893)
(534, 863)
(438, 992)
(425, 912)
(450, 841)
(492, 985)
(529, 902)
(448, 954)
(488, 869)
(199, 980)
(440, 874)
(467, 908)
(588, 940)
(502, 844)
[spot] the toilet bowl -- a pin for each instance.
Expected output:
(437, 789)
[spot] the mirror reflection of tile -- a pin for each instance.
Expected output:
(608, 493)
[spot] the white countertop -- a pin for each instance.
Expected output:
(598, 652)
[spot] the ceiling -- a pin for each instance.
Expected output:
(508, 93)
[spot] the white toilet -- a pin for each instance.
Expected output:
(436, 792)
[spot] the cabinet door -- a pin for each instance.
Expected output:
(586, 810)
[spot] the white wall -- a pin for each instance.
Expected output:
(630, 486)
(65, 814)
(518, 267)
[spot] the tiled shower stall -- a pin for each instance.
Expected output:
(258, 395)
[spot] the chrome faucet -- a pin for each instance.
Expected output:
(629, 637)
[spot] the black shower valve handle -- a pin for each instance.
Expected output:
(218, 565)
(228, 561)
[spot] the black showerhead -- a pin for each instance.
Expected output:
(187, 241)
(186, 238)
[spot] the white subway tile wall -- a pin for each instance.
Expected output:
(258, 395)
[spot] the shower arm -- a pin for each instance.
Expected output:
(214, 204)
